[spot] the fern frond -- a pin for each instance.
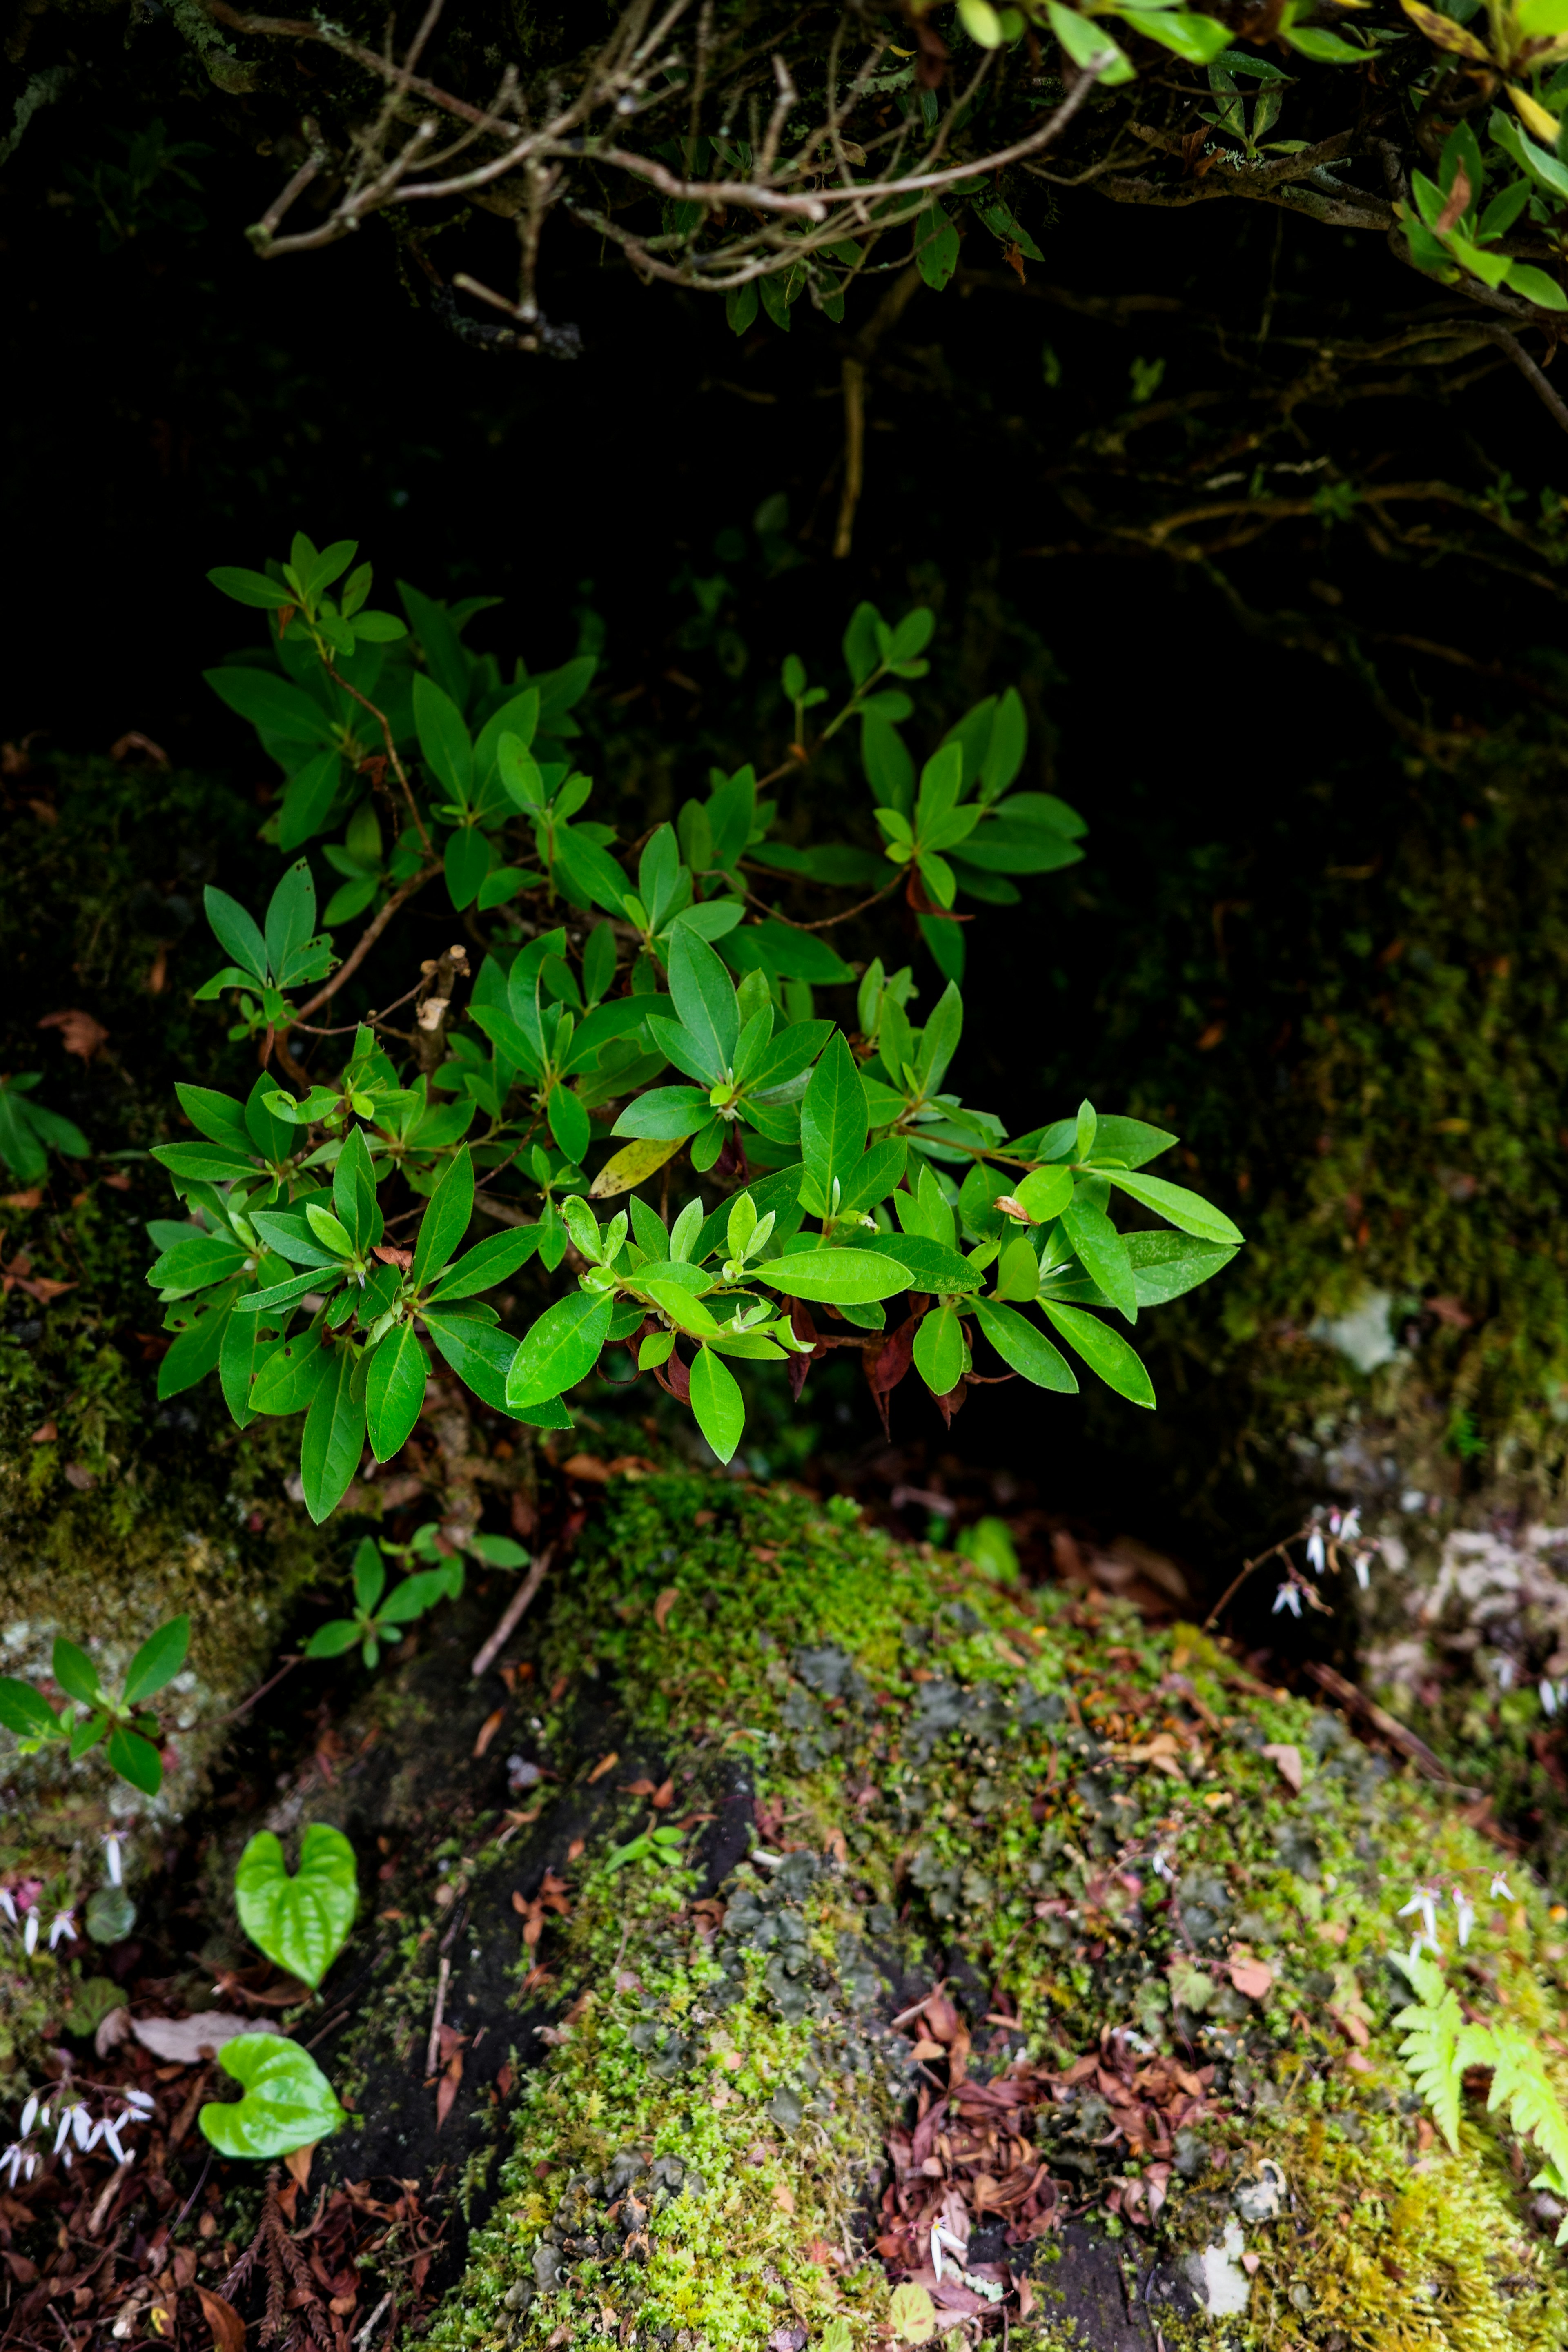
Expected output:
(1433, 2026)
(1521, 2083)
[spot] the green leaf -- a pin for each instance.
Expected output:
(1187, 1210)
(443, 737)
(290, 919)
(481, 1355)
(936, 246)
(839, 1278)
(308, 801)
(1103, 1254)
(250, 588)
(394, 1390)
(1165, 1265)
(1433, 2027)
(1024, 1346)
(158, 1661)
(271, 1303)
(931, 1265)
(488, 1264)
(591, 869)
(833, 1119)
(135, 1760)
(1045, 1193)
(717, 1403)
(1104, 1351)
(334, 1435)
(561, 1348)
(237, 931)
(288, 2102)
(569, 1123)
(704, 998)
(330, 1640)
(1196, 39)
(301, 1922)
(1088, 44)
(273, 706)
(75, 1672)
(198, 1348)
(193, 1265)
(288, 1379)
(447, 1218)
(220, 1117)
(467, 861)
(939, 1350)
(26, 1711)
(665, 1115)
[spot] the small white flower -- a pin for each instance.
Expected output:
(1548, 1696)
(30, 1933)
(29, 2166)
(13, 2157)
(62, 1926)
(64, 2132)
(111, 1854)
(1315, 1553)
(1288, 1597)
(142, 2102)
(81, 2129)
(1505, 1674)
(1425, 1900)
(112, 2137)
(1363, 1563)
(936, 2249)
(1162, 1869)
(1350, 1526)
(1500, 1888)
(29, 2115)
(1465, 1912)
(7, 1905)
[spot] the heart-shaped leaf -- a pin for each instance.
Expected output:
(288, 2104)
(302, 1922)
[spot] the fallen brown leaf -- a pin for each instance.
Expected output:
(488, 1730)
(298, 2161)
(79, 1032)
(45, 1435)
(1252, 1978)
(606, 1764)
(784, 2197)
(228, 2327)
(1289, 1760)
(664, 1604)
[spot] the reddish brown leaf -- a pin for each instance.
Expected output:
(299, 2163)
(664, 1795)
(228, 2327)
(664, 1604)
(1458, 204)
(79, 1032)
(606, 1764)
(488, 1730)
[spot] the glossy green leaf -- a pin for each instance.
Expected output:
(1165, 1265)
(932, 1266)
(25, 1710)
(237, 931)
(135, 1760)
(1045, 1193)
(74, 1671)
(447, 1220)
(665, 1115)
(561, 1348)
(301, 1922)
(839, 1278)
(717, 1403)
(334, 1435)
(467, 861)
(488, 1264)
(704, 997)
(1024, 1348)
(1187, 1210)
(1103, 1254)
(1104, 1351)
(288, 2102)
(288, 1379)
(834, 1119)
(158, 1661)
(394, 1390)
(939, 1350)
(443, 737)
(569, 1123)
(196, 1350)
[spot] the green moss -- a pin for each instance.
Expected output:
(993, 1767)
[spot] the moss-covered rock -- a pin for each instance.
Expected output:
(675, 2070)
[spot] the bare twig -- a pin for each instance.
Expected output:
(433, 2050)
(1550, 399)
(511, 1616)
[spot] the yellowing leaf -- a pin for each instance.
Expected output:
(631, 1164)
(912, 2314)
(1444, 33)
(1533, 115)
